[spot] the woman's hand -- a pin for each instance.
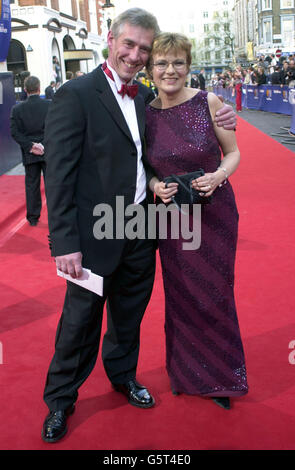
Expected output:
(208, 183)
(164, 193)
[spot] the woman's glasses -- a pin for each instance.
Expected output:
(162, 65)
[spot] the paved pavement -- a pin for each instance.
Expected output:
(270, 124)
(17, 170)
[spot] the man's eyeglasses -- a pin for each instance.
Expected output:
(162, 65)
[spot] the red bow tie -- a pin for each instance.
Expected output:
(129, 90)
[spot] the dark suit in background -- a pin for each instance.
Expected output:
(202, 81)
(194, 82)
(27, 124)
(49, 92)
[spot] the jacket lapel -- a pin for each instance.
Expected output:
(106, 96)
(140, 112)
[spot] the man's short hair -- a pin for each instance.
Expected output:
(32, 84)
(69, 75)
(135, 17)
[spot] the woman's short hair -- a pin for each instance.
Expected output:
(135, 17)
(170, 42)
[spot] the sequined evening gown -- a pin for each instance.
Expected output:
(204, 351)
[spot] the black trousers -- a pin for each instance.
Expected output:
(127, 292)
(33, 193)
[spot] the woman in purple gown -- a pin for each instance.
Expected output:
(204, 351)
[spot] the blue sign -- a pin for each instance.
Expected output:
(5, 29)
(10, 154)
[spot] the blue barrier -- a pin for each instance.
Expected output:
(10, 153)
(271, 98)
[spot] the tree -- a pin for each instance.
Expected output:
(105, 53)
(218, 35)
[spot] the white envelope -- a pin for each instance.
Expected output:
(88, 280)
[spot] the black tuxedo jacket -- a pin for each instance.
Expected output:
(27, 122)
(91, 158)
(201, 81)
(49, 92)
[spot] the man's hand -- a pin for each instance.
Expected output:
(70, 264)
(37, 149)
(226, 117)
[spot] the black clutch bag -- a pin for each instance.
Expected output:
(186, 194)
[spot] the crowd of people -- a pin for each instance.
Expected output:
(266, 71)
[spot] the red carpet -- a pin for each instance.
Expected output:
(32, 297)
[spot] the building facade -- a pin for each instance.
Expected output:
(276, 26)
(217, 45)
(51, 37)
(207, 23)
(264, 27)
(246, 30)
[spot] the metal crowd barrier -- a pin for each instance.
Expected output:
(271, 98)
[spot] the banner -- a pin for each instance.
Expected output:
(5, 29)
(10, 153)
(271, 98)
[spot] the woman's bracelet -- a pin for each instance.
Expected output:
(226, 175)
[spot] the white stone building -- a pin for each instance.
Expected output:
(69, 30)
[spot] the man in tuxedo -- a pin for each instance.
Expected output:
(27, 122)
(94, 146)
(194, 81)
(49, 91)
(201, 79)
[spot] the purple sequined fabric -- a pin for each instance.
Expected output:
(204, 351)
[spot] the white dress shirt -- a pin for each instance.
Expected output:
(127, 106)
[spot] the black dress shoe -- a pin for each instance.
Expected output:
(137, 394)
(224, 402)
(34, 222)
(55, 424)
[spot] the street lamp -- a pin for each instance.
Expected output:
(108, 4)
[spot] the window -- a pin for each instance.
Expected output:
(206, 28)
(215, 14)
(207, 55)
(191, 28)
(217, 55)
(227, 54)
(65, 7)
(227, 41)
(216, 27)
(205, 14)
(266, 5)
(287, 4)
(267, 31)
(207, 42)
(287, 28)
(226, 26)
(225, 14)
(217, 42)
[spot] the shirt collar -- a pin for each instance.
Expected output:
(117, 79)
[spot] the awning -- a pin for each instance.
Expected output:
(78, 54)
